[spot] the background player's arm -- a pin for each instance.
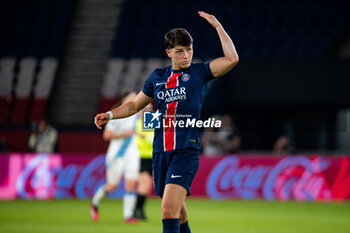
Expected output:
(222, 65)
(127, 109)
(109, 134)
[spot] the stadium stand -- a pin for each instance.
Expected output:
(33, 34)
(262, 30)
(84, 62)
(29, 55)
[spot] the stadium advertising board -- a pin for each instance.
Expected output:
(42, 176)
(275, 178)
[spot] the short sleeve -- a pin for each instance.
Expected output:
(206, 72)
(148, 86)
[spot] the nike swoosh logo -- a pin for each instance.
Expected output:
(173, 176)
(157, 84)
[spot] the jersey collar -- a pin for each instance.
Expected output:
(179, 71)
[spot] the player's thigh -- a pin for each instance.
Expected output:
(132, 165)
(130, 185)
(114, 171)
(145, 183)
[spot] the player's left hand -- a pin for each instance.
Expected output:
(101, 119)
(210, 18)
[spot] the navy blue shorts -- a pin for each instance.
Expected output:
(174, 167)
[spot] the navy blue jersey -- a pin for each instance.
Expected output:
(178, 95)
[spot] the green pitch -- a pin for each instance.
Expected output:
(206, 216)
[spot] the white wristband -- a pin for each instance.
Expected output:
(110, 115)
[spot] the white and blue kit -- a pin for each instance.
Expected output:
(123, 157)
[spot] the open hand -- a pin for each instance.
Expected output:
(210, 18)
(101, 119)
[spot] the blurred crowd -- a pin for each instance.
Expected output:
(223, 140)
(227, 140)
(43, 138)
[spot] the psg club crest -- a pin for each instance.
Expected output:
(185, 77)
(151, 119)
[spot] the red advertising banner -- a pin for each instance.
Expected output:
(282, 178)
(313, 178)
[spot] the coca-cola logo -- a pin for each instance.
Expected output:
(92, 176)
(295, 177)
(37, 180)
(44, 176)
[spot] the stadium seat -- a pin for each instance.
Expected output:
(106, 104)
(4, 109)
(112, 78)
(132, 75)
(20, 110)
(254, 25)
(37, 109)
(38, 39)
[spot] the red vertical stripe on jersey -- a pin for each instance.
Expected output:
(169, 131)
(172, 81)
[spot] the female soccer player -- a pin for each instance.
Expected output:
(178, 91)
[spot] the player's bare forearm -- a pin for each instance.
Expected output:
(132, 107)
(108, 134)
(127, 109)
(222, 65)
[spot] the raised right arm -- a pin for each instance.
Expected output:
(222, 65)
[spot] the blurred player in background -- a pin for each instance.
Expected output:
(122, 158)
(144, 139)
(178, 90)
(43, 138)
